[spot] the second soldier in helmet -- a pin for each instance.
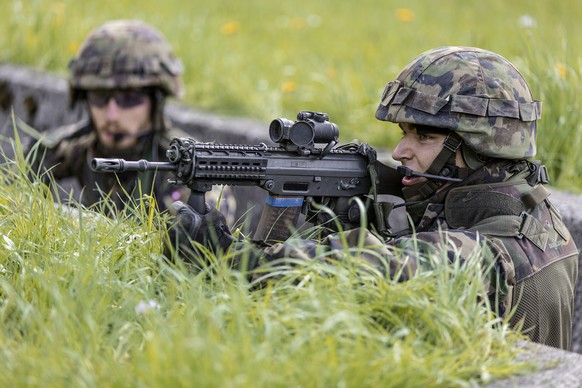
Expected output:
(123, 73)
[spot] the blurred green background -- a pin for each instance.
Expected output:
(265, 59)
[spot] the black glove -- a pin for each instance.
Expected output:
(209, 229)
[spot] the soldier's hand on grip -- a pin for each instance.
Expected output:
(209, 229)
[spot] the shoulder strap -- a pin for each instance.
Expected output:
(467, 206)
(498, 209)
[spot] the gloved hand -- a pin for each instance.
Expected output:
(209, 229)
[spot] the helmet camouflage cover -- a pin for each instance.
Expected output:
(126, 54)
(474, 92)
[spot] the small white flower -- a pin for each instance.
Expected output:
(145, 307)
(527, 21)
(134, 237)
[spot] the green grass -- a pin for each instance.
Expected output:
(267, 59)
(89, 301)
(86, 300)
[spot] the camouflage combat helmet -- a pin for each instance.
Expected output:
(126, 54)
(475, 93)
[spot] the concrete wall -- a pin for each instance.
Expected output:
(570, 206)
(40, 100)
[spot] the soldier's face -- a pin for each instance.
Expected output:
(417, 150)
(120, 117)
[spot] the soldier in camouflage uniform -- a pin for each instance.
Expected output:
(123, 72)
(469, 129)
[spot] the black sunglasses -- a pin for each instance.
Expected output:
(123, 98)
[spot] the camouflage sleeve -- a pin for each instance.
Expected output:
(462, 245)
(402, 257)
(359, 244)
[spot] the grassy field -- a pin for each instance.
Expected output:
(267, 59)
(89, 301)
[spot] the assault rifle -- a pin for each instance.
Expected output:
(297, 175)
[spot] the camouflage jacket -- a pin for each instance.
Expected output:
(67, 153)
(502, 212)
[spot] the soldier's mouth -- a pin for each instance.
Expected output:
(118, 137)
(412, 180)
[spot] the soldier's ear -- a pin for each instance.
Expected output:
(472, 159)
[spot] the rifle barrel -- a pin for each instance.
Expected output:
(120, 165)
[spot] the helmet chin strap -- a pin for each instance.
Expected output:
(443, 169)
